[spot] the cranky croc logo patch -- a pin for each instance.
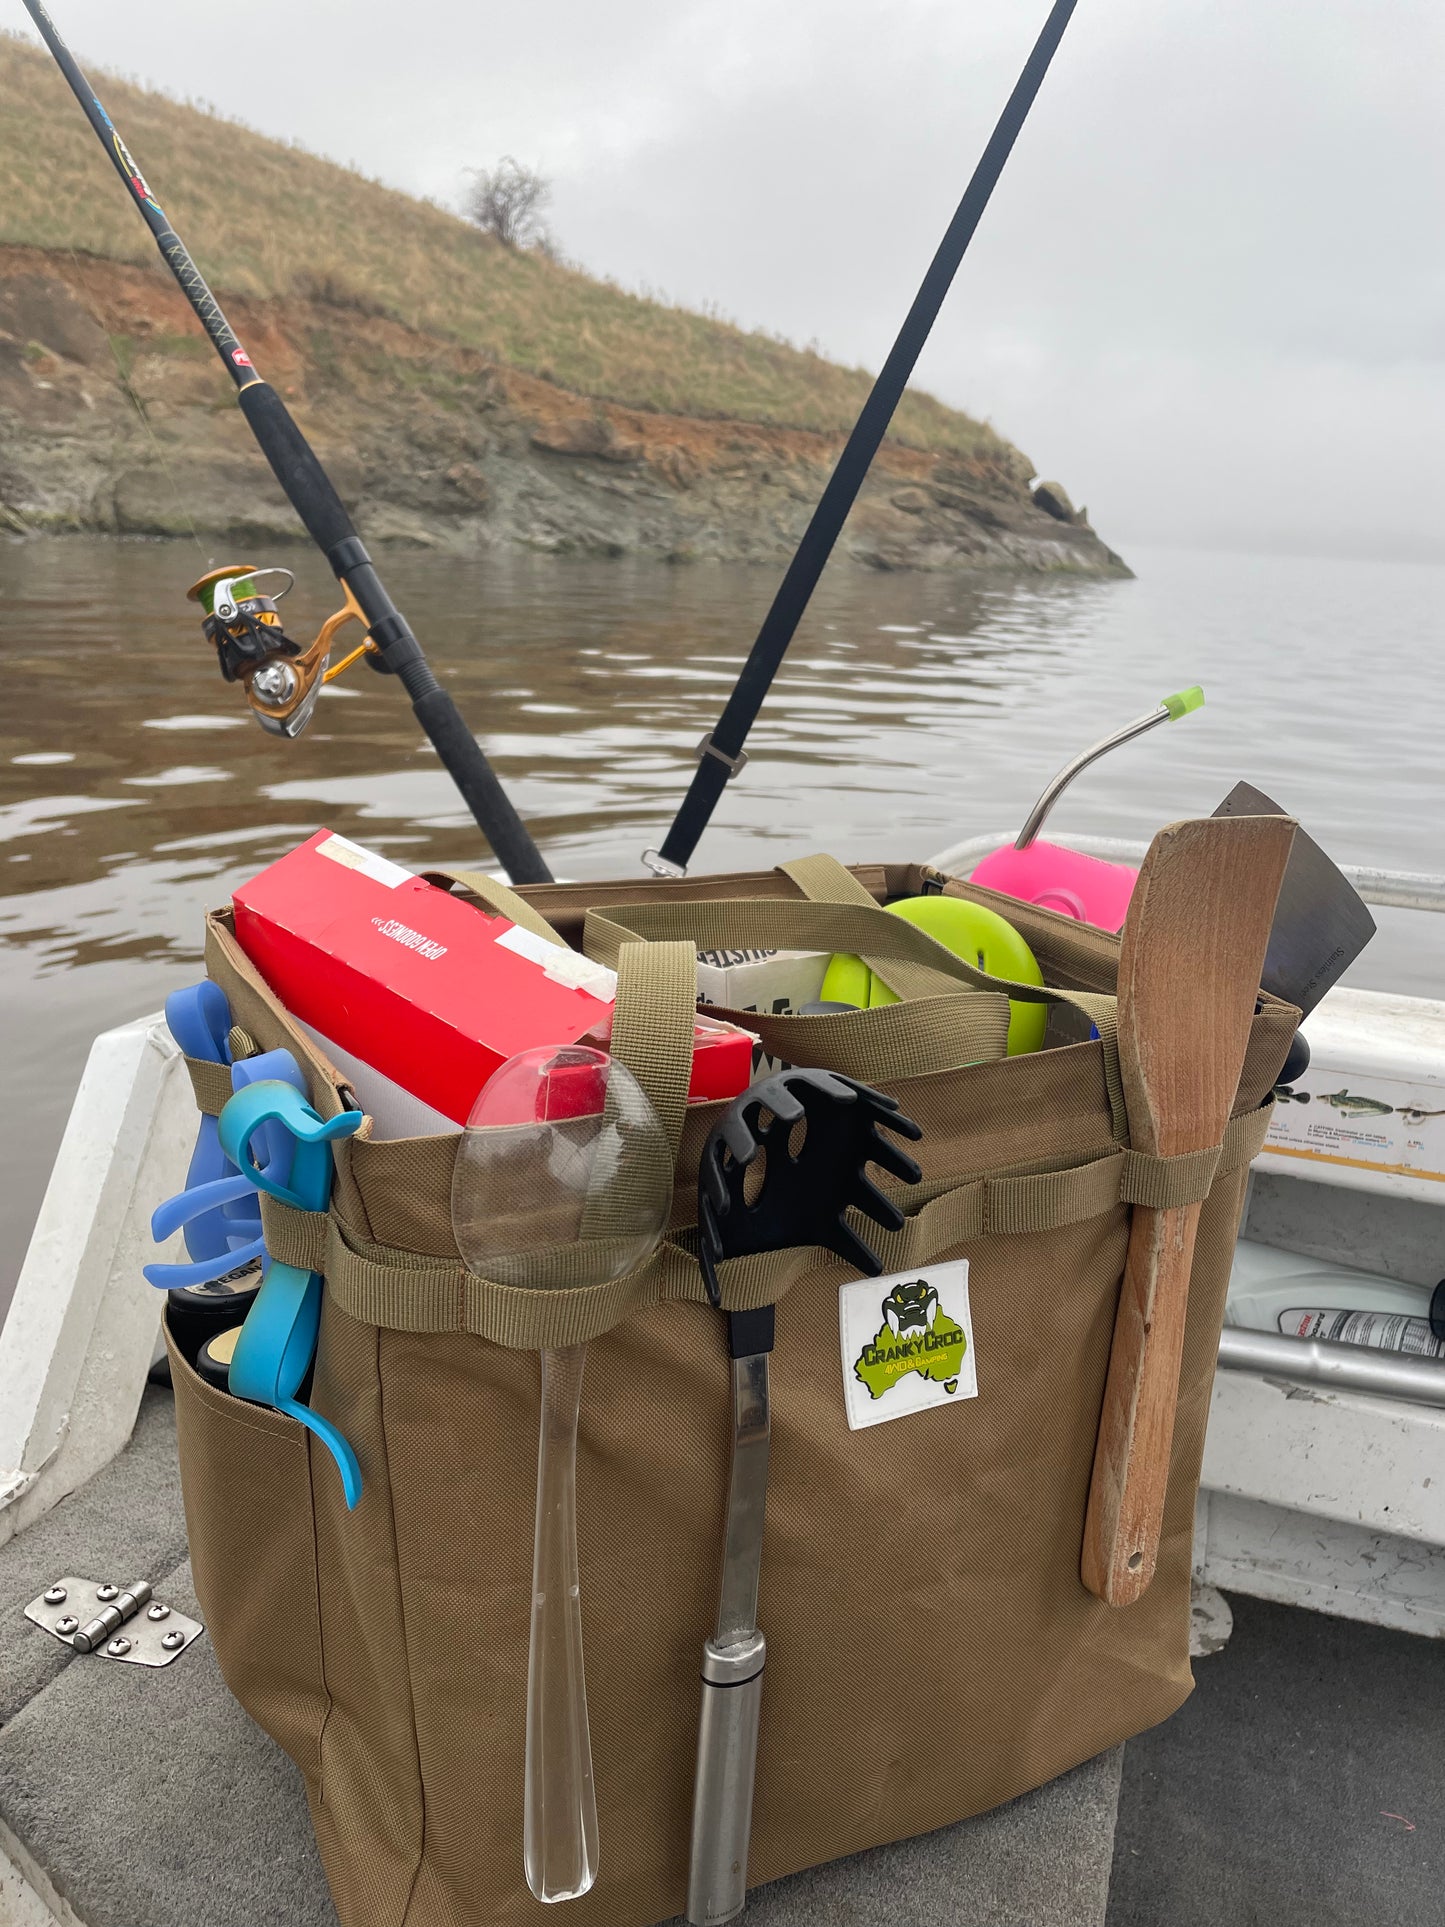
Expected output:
(907, 1343)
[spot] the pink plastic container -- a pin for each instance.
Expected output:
(1083, 887)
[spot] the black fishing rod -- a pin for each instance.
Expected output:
(282, 680)
(720, 755)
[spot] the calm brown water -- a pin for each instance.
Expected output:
(914, 710)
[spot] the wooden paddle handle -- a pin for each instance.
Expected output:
(1190, 956)
(1136, 1426)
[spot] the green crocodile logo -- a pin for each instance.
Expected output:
(915, 1336)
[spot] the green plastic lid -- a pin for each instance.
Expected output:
(1181, 704)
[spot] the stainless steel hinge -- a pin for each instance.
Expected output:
(115, 1622)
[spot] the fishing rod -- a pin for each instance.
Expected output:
(283, 680)
(721, 754)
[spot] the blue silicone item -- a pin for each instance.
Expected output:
(199, 1018)
(205, 1201)
(302, 1177)
(207, 1271)
(278, 1340)
(186, 1206)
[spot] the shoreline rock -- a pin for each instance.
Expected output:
(116, 419)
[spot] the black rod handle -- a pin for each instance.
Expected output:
(310, 492)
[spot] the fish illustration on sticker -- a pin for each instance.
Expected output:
(1352, 1104)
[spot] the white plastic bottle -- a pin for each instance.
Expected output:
(1266, 1283)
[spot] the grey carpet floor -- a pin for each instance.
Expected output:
(126, 1524)
(152, 1800)
(1303, 1784)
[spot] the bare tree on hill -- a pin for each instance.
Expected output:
(507, 200)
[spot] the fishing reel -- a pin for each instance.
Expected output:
(282, 679)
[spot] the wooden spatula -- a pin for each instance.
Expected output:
(1189, 967)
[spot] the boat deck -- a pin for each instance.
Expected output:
(1302, 1785)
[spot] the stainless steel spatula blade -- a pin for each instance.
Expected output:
(1320, 924)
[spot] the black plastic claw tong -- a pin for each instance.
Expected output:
(801, 1200)
(803, 1197)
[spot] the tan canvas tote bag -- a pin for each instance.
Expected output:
(931, 1651)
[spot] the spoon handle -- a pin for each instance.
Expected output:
(559, 1831)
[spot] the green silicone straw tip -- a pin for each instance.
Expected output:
(1186, 700)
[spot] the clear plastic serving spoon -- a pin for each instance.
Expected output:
(563, 1180)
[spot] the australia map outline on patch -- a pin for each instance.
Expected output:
(907, 1343)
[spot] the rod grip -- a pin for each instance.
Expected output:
(307, 485)
(722, 1802)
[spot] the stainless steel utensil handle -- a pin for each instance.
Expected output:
(722, 1801)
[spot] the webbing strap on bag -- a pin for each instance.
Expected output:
(652, 1025)
(961, 1017)
(823, 879)
(497, 896)
(931, 1037)
(211, 1084)
(938, 1033)
(399, 1291)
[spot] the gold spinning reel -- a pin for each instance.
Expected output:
(282, 680)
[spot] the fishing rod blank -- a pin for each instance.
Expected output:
(720, 755)
(309, 490)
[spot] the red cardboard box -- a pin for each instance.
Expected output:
(431, 990)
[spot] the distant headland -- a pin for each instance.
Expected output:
(462, 393)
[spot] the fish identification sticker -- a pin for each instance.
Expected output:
(907, 1342)
(1371, 1123)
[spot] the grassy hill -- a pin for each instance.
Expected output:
(266, 220)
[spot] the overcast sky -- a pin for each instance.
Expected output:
(1208, 296)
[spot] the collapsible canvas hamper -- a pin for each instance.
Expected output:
(931, 1650)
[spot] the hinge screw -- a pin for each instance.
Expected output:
(118, 1647)
(171, 1640)
(106, 1593)
(158, 1612)
(67, 1625)
(55, 1596)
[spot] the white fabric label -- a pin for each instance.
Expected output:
(352, 856)
(562, 965)
(907, 1342)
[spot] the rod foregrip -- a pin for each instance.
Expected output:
(308, 487)
(722, 1801)
(309, 490)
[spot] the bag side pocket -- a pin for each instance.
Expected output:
(246, 1482)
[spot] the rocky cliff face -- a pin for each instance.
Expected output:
(116, 418)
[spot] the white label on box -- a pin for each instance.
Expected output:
(351, 856)
(561, 964)
(727, 959)
(907, 1342)
(776, 983)
(1373, 1123)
